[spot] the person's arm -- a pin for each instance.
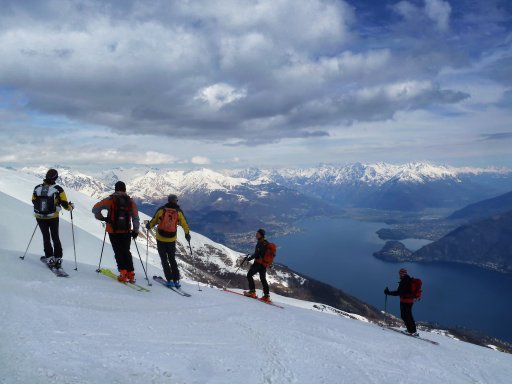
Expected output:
(135, 217)
(63, 199)
(183, 222)
(156, 217)
(100, 206)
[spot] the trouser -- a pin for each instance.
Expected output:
(406, 314)
(121, 245)
(50, 231)
(167, 252)
(262, 270)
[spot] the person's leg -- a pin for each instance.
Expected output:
(406, 314)
(117, 248)
(54, 231)
(263, 279)
(171, 253)
(162, 252)
(44, 226)
(252, 271)
(127, 255)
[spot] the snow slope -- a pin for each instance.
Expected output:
(90, 329)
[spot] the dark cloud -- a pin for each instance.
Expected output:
(239, 70)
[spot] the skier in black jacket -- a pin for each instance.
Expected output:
(258, 267)
(406, 301)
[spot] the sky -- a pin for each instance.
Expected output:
(267, 83)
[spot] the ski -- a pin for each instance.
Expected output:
(179, 291)
(260, 300)
(408, 334)
(112, 275)
(58, 272)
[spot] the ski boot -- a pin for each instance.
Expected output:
(250, 294)
(266, 299)
(131, 277)
(170, 283)
(57, 263)
(177, 284)
(50, 261)
(123, 276)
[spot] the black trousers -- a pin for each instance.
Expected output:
(121, 245)
(167, 252)
(50, 231)
(406, 314)
(262, 270)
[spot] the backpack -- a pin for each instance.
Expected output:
(270, 254)
(44, 204)
(416, 288)
(168, 224)
(121, 213)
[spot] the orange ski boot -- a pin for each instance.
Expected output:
(123, 276)
(250, 294)
(266, 298)
(131, 277)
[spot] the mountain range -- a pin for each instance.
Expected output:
(229, 205)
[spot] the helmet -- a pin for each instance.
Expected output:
(172, 198)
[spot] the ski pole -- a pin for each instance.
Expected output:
(103, 246)
(73, 234)
(141, 263)
(192, 254)
(240, 266)
(147, 244)
(31, 237)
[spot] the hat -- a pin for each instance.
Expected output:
(120, 186)
(172, 198)
(261, 232)
(402, 272)
(52, 175)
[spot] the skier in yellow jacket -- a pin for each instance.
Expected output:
(48, 199)
(168, 217)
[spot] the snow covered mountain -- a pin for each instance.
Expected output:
(228, 205)
(211, 263)
(406, 187)
(90, 329)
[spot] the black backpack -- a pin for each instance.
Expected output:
(121, 213)
(44, 204)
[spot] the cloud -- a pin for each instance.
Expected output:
(439, 12)
(204, 70)
(200, 160)
(211, 76)
(219, 95)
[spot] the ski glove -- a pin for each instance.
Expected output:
(72, 205)
(386, 291)
(135, 235)
(187, 236)
(147, 226)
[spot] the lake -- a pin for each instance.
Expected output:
(339, 252)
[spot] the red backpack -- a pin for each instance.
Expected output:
(416, 288)
(168, 224)
(270, 253)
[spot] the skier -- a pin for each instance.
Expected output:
(258, 267)
(48, 199)
(406, 301)
(122, 212)
(167, 218)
